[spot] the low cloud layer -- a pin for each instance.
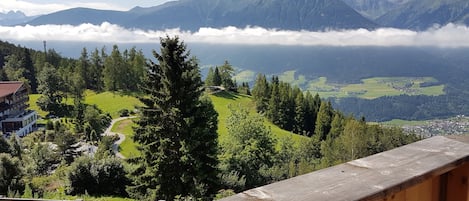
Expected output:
(451, 35)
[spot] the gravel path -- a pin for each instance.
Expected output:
(116, 144)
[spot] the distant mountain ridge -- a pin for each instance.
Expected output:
(311, 15)
(14, 17)
(423, 14)
(373, 9)
(193, 14)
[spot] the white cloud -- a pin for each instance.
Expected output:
(451, 35)
(32, 9)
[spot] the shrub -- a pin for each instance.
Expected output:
(10, 174)
(124, 113)
(97, 177)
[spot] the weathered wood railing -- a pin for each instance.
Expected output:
(429, 170)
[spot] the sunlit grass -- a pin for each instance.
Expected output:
(127, 148)
(111, 102)
(222, 102)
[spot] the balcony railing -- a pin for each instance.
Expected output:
(432, 169)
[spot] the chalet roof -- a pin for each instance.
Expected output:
(9, 87)
(370, 178)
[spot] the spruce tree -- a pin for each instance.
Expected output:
(176, 130)
(300, 112)
(30, 71)
(209, 79)
(323, 121)
(217, 79)
(273, 108)
(261, 93)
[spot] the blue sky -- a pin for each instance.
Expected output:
(37, 7)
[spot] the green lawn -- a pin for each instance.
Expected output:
(33, 106)
(128, 147)
(222, 101)
(111, 102)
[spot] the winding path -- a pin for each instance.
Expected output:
(108, 132)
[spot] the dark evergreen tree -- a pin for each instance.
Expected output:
(176, 130)
(217, 79)
(15, 147)
(51, 86)
(209, 78)
(30, 71)
(112, 72)
(96, 71)
(286, 113)
(312, 109)
(300, 114)
(83, 69)
(273, 108)
(261, 93)
(4, 145)
(137, 69)
(244, 88)
(323, 121)
(10, 174)
(226, 72)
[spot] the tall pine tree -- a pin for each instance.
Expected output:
(176, 130)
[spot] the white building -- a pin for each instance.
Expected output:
(14, 116)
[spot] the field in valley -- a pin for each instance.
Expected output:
(369, 88)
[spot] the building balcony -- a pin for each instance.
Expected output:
(21, 124)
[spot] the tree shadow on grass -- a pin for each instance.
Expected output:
(226, 95)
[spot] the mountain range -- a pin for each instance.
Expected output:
(14, 17)
(373, 9)
(423, 14)
(279, 14)
(193, 14)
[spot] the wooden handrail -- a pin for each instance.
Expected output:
(430, 169)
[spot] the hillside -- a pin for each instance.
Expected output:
(112, 103)
(193, 14)
(222, 102)
(423, 14)
(107, 101)
(374, 8)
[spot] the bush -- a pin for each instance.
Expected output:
(124, 113)
(97, 177)
(10, 174)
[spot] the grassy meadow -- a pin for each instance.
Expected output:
(109, 102)
(113, 102)
(222, 103)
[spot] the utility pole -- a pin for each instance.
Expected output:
(45, 49)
